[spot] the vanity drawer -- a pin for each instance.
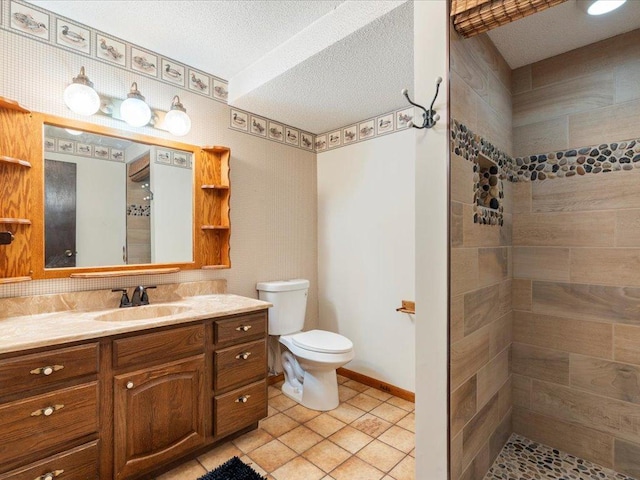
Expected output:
(27, 372)
(239, 329)
(239, 408)
(158, 347)
(239, 364)
(41, 422)
(80, 463)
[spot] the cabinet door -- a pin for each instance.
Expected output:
(159, 415)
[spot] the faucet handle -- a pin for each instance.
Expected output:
(144, 299)
(124, 300)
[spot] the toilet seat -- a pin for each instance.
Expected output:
(322, 341)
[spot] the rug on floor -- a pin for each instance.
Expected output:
(234, 469)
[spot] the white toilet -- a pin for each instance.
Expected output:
(309, 359)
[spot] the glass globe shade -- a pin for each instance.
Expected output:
(81, 99)
(135, 112)
(177, 122)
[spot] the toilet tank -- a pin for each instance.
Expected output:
(289, 299)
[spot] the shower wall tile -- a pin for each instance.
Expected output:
(606, 123)
(608, 266)
(605, 415)
(521, 294)
(468, 356)
(604, 377)
(521, 80)
(522, 197)
(478, 235)
(456, 321)
(543, 136)
(588, 302)
(464, 270)
(541, 263)
(566, 334)
(628, 228)
(627, 457)
(463, 405)
(461, 179)
(479, 429)
(626, 344)
(493, 265)
(540, 363)
(521, 390)
(627, 85)
(577, 440)
(564, 229)
(500, 334)
(481, 307)
(492, 376)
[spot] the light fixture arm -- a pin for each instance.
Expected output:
(82, 79)
(430, 117)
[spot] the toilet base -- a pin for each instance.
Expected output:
(319, 390)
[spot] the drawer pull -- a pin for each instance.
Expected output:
(243, 328)
(50, 475)
(243, 399)
(243, 355)
(130, 385)
(47, 411)
(46, 371)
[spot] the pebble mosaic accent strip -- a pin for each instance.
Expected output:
(366, 130)
(138, 210)
(607, 157)
(523, 459)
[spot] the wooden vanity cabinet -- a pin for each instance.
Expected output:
(49, 414)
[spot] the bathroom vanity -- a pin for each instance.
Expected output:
(122, 393)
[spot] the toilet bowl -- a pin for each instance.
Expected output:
(309, 359)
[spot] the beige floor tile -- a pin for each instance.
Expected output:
(379, 394)
(356, 469)
(190, 469)
(328, 477)
(371, 425)
(346, 413)
(271, 411)
(301, 414)
(405, 470)
(298, 469)
(364, 402)
(413, 453)
(326, 455)
(272, 455)
(380, 455)
(350, 439)
(252, 440)
(219, 455)
(248, 461)
(281, 402)
(273, 391)
(300, 439)
(342, 378)
(408, 422)
(389, 413)
(399, 438)
(325, 424)
(345, 393)
(402, 403)
(278, 424)
(356, 386)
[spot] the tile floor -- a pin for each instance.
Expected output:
(370, 436)
(524, 459)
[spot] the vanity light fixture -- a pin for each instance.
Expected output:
(176, 120)
(134, 110)
(80, 96)
(600, 7)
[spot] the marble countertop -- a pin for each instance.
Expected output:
(24, 332)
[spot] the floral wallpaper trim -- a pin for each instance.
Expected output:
(374, 127)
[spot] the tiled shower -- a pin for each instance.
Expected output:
(545, 307)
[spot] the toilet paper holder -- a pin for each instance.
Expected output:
(407, 307)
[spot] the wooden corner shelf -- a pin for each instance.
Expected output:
(15, 221)
(215, 149)
(215, 187)
(214, 227)
(14, 161)
(215, 267)
(12, 105)
(4, 281)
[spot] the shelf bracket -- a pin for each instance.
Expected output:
(407, 307)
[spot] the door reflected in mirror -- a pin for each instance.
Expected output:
(111, 201)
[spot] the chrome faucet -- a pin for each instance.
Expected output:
(140, 296)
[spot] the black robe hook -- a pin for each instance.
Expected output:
(429, 117)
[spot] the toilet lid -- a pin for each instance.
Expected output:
(322, 341)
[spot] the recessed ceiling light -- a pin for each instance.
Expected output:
(600, 7)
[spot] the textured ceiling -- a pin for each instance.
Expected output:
(560, 29)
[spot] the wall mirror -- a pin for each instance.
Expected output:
(112, 201)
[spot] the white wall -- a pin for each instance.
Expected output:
(366, 205)
(101, 212)
(430, 21)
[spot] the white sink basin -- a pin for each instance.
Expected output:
(143, 312)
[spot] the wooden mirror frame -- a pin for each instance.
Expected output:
(25, 260)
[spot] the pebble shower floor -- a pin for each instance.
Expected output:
(523, 459)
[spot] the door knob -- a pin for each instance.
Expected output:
(129, 385)
(68, 253)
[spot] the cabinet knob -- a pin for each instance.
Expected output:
(243, 328)
(50, 475)
(243, 399)
(243, 355)
(46, 370)
(130, 385)
(47, 411)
